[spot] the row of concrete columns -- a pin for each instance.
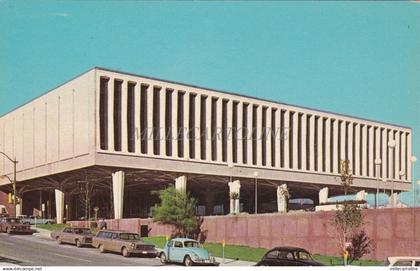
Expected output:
(118, 179)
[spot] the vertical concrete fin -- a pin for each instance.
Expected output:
(323, 195)
(118, 193)
(59, 205)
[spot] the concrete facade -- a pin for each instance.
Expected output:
(105, 121)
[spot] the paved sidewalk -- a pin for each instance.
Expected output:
(231, 262)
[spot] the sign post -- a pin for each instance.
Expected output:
(345, 256)
(223, 251)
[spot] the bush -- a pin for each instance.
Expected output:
(361, 245)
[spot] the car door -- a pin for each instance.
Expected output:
(167, 250)
(107, 240)
(99, 239)
(270, 259)
(115, 243)
(67, 235)
(62, 235)
(177, 252)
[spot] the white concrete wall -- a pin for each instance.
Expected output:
(357, 139)
(56, 126)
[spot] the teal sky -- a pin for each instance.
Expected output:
(355, 58)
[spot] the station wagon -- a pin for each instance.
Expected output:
(76, 236)
(125, 243)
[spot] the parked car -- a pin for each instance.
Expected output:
(125, 243)
(288, 256)
(186, 251)
(14, 225)
(35, 220)
(403, 261)
(76, 236)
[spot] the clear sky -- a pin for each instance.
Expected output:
(356, 58)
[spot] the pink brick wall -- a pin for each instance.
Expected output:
(395, 231)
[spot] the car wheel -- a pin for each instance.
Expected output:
(78, 243)
(124, 252)
(188, 261)
(101, 248)
(162, 258)
(8, 230)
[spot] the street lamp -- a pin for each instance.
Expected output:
(256, 191)
(413, 160)
(378, 163)
(14, 178)
(391, 146)
(230, 166)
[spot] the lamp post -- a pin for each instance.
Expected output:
(14, 177)
(391, 146)
(378, 163)
(256, 191)
(413, 160)
(230, 166)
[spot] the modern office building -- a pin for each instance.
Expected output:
(113, 137)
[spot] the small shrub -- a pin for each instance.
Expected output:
(361, 245)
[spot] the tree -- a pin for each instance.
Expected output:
(348, 219)
(351, 236)
(176, 209)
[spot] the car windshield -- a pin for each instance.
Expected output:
(82, 231)
(129, 236)
(13, 220)
(191, 244)
(302, 255)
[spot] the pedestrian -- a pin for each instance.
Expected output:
(102, 224)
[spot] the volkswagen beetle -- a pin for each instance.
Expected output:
(186, 251)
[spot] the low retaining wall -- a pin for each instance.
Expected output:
(395, 231)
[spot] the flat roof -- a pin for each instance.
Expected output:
(210, 89)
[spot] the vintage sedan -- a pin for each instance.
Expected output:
(186, 251)
(35, 220)
(14, 225)
(403, 261)
(288, 256)
(125, 243)
(76, 236)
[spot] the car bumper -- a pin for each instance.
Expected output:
(144, 252)
(205, 262)
(86, 243)
(20, 231)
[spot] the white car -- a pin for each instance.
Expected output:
(404, 261)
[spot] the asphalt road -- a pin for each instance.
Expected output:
(41, 251)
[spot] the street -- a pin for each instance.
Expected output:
(41, 251)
